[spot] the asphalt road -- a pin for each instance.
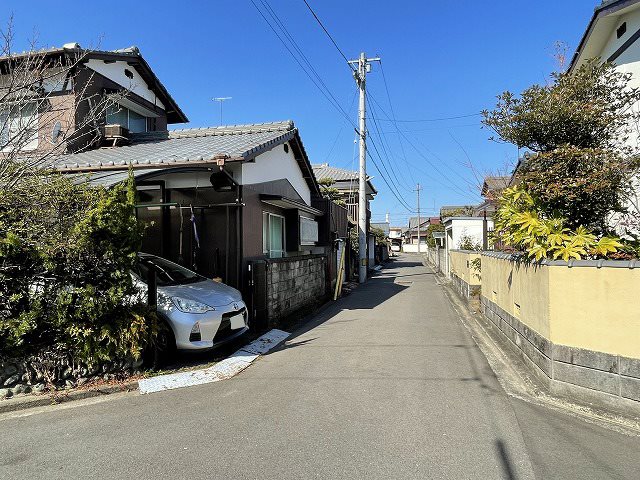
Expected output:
(385, 383)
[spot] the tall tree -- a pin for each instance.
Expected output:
(578, 129)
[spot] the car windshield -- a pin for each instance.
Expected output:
(168, 273)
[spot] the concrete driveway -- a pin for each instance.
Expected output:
(386, 383)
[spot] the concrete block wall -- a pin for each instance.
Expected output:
(294, 284)
(437, 257)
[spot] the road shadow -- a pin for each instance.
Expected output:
(380, 287)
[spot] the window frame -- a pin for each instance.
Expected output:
(266, 235)
(128, 125)
(11, 122)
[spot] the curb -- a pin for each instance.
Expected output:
(23, 403)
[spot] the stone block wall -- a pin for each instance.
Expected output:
(598, 371)
(295, 284)
(465, 290)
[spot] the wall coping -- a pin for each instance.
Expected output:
(298, 257)
(520, 258)
(459, 250)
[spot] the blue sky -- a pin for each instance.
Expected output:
(440, 59)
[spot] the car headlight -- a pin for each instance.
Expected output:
(190, 306)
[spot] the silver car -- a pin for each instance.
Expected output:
(201, 313)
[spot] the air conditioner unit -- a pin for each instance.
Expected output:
(116, 134)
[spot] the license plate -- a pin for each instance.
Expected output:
(237, 321)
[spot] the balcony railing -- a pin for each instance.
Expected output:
(352, 212)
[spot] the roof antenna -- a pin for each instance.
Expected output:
(221, 100)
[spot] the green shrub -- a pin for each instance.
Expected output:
(467, 242)
(66, 252)
(522, 224)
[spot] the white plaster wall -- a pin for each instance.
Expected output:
(628, 61)
(459, 228)
(275, 165)
(115, 72)
(372, 251)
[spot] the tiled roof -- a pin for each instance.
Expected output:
(384, 226)
(447, 210)
(132, 51)
(496, 183)
(424, 221)
(413, 222)
(324, 170)
(187, 146)
(131, 55)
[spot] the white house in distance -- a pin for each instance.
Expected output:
(613, 34)
(459, 229)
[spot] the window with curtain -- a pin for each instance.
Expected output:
(19, 126)
(273, 244)
(119, 115)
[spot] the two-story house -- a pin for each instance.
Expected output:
(232, 202)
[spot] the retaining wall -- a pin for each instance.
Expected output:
(576, 322)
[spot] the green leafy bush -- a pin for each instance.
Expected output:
(433, 227)
(523, 225)
(467, 242)
(580, 173)
(66, 252)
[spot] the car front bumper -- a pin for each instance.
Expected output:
(215, 326)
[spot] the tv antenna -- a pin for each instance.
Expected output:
(221, 100)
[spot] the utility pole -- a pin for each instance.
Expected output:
(364, 67)
(221, 100)
(418, 194)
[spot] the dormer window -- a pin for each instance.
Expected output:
(119, 115)
(622, 29)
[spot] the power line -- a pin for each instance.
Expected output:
(333, 145)
(451, 183)
(393, 113)
(396, 195)
(386, 149)
(441, 119)
(335, 44)
(432, 129)
(327, 94)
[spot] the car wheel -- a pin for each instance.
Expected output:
(164, 347)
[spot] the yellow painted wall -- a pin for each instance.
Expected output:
(464, 270)
(596, 308)
(585, 307)
(521, 290)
